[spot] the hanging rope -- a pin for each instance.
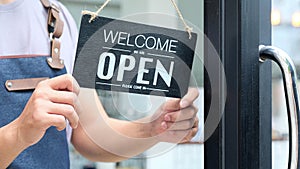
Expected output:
(187, 28)
(95, 14)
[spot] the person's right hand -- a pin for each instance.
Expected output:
(176, 120)
(52, 102)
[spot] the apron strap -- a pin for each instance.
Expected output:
(23, 84)
(55, 29)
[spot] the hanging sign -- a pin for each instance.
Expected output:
(130, 57)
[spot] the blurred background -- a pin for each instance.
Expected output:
(285, 18)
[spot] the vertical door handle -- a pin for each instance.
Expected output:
(291, 95)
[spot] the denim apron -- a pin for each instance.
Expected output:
(51, 152)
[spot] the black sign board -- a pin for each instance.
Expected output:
(131, 57)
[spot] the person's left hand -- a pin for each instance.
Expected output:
(176, 120)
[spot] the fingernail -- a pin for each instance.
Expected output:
(167, 118)
(184, 103)
(164, 125)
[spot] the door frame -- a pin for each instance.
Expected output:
(242, 139)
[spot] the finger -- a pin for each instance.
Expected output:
(65, 97)
(189, 98)
(181, 125)
(192, 132)
(180, 115)
(57, 121)
(171, 105)
(190, 135)
(176, 136)
(66, 111)
(196, 123)
(64, 82)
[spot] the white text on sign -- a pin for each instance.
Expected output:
(128, 63)
(140, 41)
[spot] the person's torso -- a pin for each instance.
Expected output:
(51, 151)
(24, 47)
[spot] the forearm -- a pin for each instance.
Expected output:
(10, 144)
(101, 138)
(131, 137)
(132, 129)
(116, 141)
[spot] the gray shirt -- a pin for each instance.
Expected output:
(24, 31)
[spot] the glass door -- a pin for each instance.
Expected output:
(129, 106)
(235, 102)
(243, 137)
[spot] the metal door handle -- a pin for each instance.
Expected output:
(291, 94)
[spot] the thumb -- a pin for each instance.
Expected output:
(171, 105)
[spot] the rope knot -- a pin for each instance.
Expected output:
(93, 14)
(189, 31)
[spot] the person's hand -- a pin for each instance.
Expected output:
(176, 120)
(52, 102)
